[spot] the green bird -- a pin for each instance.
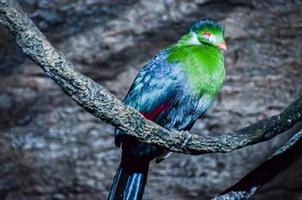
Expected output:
(174, 89)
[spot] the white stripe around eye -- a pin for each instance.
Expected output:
(212, 38)
(194, 39)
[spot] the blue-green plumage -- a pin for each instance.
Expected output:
(174, 89)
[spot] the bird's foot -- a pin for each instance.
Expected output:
(187, 137)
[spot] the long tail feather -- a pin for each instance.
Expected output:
(130, 179)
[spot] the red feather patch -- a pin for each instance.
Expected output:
(160, 109)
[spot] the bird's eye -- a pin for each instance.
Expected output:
(207, 35)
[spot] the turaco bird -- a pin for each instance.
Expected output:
(174, 89)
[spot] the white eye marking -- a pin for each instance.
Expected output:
(212, 38)
(194, 39)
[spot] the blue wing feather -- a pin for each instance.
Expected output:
(154, 85)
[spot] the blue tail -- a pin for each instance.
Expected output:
(130, 179)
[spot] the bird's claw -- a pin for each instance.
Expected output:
(187, 137)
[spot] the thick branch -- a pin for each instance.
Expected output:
(96, 100)
(265, 172)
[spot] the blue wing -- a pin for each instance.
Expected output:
(155, 85)
(153, 90)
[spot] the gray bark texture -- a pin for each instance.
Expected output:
(53, 150)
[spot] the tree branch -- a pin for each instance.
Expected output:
(95, 99)
(265, 172)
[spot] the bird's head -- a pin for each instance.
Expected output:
(208, 32)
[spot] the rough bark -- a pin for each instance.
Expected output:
(240, 103)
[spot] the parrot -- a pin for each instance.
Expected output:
(174, 89)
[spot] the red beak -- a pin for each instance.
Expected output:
(222, 46)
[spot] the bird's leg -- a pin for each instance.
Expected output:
(168, 153)
(187, 137)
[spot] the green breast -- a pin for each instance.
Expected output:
(203, 65)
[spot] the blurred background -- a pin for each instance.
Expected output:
(52, 149)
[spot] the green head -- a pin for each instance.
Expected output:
(206, 32)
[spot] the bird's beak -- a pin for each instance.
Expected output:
(222, 46)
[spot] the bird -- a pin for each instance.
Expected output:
(174, 89)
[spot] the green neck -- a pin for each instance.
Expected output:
(202, 62)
